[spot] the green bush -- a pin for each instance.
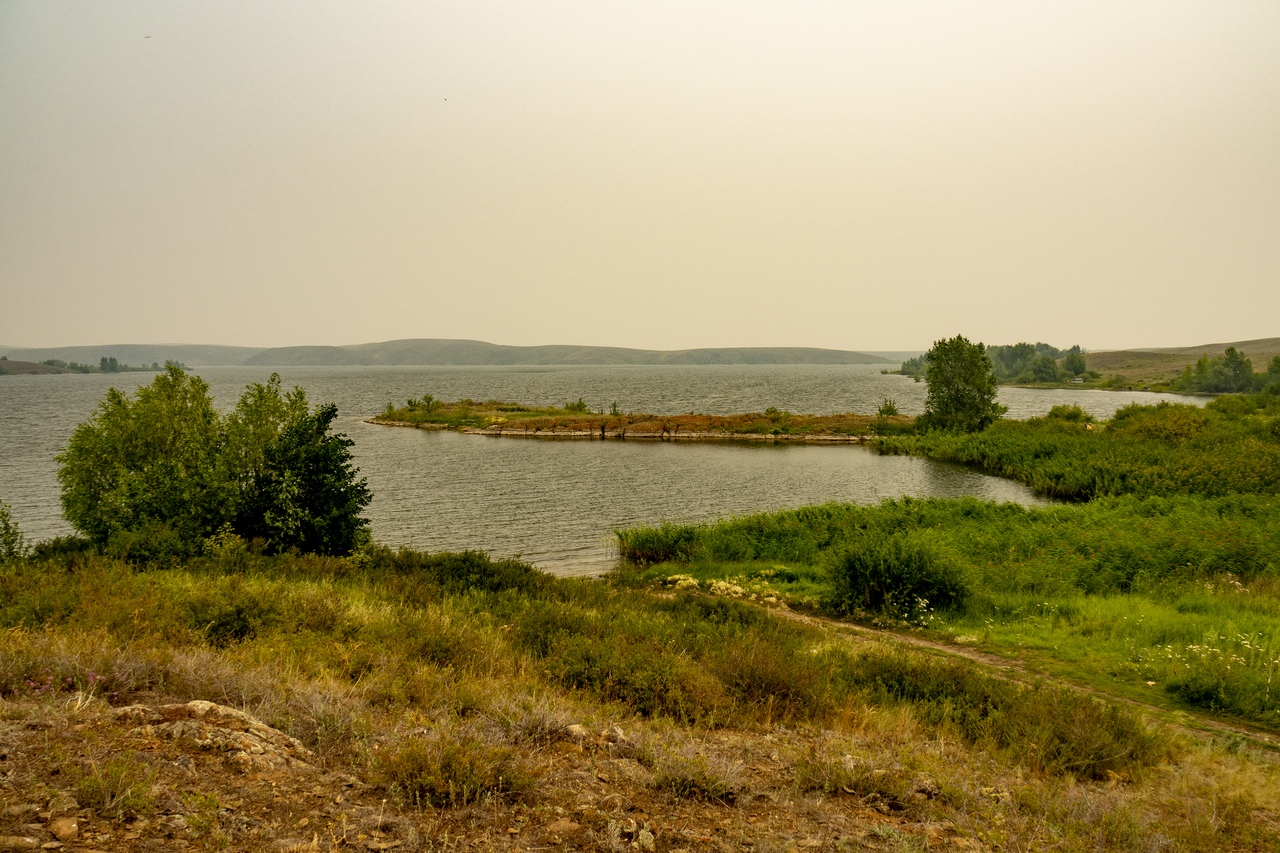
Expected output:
(897, 575)
(453, 769)
(13, 545)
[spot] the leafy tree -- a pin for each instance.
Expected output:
(962, 387)
(13, 545)
(1074, 363)
(1044, 369)
(1231, 372)
(150, 461)
(159, 473)
(305, 494)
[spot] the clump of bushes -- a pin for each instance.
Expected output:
(898, 575)
(452, 768)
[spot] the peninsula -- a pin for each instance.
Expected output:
(576, 420)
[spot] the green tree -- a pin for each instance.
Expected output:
(147, 462)
(1074, 363)
(165, 470)
(304, 494)
(1044, 369)
(962, 387)
(13, 545)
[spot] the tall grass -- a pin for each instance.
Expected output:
(1231, 447)
(328, 649)
(1066, 583)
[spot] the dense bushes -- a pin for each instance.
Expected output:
(902, 576)
(1167, 449)
(153, 476)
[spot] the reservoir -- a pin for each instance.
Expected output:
(552, 502)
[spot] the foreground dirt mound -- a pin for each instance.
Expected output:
(245, 741)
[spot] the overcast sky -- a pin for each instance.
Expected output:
(663, 175)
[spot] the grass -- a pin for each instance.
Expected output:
(1171, 599)
(1232, 446)
(449, 681)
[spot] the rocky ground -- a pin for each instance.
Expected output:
(154, 775)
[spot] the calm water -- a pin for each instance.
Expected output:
(552, 502)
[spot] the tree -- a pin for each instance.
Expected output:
(13, 545)
(304, 493)
(962, 387)
(165, 468)
(147, 462)
(1044, 369)
(1074, 363)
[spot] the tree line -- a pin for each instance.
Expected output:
(1229, 373)
(1019, 363)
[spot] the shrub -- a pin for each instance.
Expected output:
(13, 545)
(119, 788)
(687, 773)
(897, 575)
(453, 768)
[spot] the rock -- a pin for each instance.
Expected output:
(63, 804)
(381, 845)
(625, 769)
(563, 826)
(64, 828)
(578, 732)
(19, 842)
(247, 742)
(20, 810)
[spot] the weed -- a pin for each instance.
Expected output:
(119, 788)
(452, 768)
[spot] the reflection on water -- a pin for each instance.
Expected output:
(552, 502)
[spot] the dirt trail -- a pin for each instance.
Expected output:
(1017, 670)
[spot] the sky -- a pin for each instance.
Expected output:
(664, 175)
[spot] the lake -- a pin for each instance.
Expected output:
(552, 502)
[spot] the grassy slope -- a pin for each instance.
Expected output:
(441, 687)
(1159, 367)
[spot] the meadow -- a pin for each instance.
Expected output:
(1163, 587)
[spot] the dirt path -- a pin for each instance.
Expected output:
(1014, 669)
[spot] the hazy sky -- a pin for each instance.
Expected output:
(663, 175)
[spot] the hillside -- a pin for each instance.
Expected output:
(460, 352)
(13, 368)
(1155, 366)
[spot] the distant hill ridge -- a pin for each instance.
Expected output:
(427, 351)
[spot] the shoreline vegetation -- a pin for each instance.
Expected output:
(575, 421)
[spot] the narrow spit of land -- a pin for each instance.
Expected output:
(575, 420)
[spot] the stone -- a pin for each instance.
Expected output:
(563, 826)
(248, 743)
(64, 828)
(19, 842)
(578, 732)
